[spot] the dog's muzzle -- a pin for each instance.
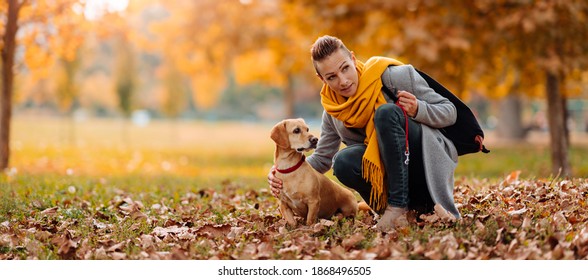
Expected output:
(313, 141)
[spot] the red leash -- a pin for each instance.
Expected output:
(406, 151)
(393, 94)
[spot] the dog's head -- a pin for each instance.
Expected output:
(293, 134)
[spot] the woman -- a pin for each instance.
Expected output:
(395, 156)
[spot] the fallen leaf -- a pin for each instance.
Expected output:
(526, 223)
(517, 212)
(352, 241)
(213, 230)
(443, 214)
(116, 247)
(50, 211)
(512, 178)
(118, 256)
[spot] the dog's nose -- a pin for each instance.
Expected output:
(313, 140)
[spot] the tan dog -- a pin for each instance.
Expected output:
(305, 192)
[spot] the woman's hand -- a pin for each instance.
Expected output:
(275, 184)
(409, 102)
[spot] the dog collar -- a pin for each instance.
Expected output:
(293, 168)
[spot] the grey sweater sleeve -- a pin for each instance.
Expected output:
(328, 145)
(434, 110)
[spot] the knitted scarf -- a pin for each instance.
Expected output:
(358, 111)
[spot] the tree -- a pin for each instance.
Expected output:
(124, 75)
(8, 50)
(39, 19)
(545, 41)
(200, 38)
(174, 99)
(258, 41)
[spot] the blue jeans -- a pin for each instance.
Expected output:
(406, 184)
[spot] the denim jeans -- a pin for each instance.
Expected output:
(406, 184)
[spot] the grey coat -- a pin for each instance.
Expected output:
(434, 111)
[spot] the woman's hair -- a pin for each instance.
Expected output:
(325, 46)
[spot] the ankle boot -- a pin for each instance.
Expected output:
(393, 217)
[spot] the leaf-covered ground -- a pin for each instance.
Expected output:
(102, 219)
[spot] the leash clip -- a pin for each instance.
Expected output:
(406, 153)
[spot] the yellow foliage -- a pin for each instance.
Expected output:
(267, 41)
(576, 83)
(29, 88)
(189, 63)
(39, 61)
(206, 88)
(537, 90)
(98, 90)
(504, 87)
(259, 66)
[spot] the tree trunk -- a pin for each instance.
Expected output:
(556, 112)
(9, 40)
(510, 124)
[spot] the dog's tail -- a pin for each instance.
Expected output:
(362, 206)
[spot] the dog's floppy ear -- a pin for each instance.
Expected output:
(280, 135)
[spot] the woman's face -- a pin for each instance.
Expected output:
(338, 72)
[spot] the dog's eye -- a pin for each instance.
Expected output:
(297, 130)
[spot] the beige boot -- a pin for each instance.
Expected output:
(393, 217)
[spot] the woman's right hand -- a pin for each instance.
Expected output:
(275, 184)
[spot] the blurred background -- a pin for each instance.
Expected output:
(107, 70)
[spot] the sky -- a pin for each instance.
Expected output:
(94, 9)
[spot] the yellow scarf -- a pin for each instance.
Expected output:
(358, 112)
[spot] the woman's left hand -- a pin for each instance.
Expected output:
(409, 102)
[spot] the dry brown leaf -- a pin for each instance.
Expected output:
(418, 248)
(66, 245)
(235, 233)
(162, 232)
(480, 226)
(213, 230)
(429, 218)
(433, 254)
(100, 254)
(138, 215)
(516, 221)
(118, 256)
(560, 219)
(517, 212)
(353, 241)
(116, 247)
(324, 255)
(147, 241)
(526, 223)
(327, 223)
(50, 211)
(443, 214)
(338, 252)
(265, 251)
(43, 236)
(179, 254)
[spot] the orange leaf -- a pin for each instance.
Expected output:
(512, 178)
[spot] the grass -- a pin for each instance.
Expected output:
(107, 189)
(212, 152)
(533, 160)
